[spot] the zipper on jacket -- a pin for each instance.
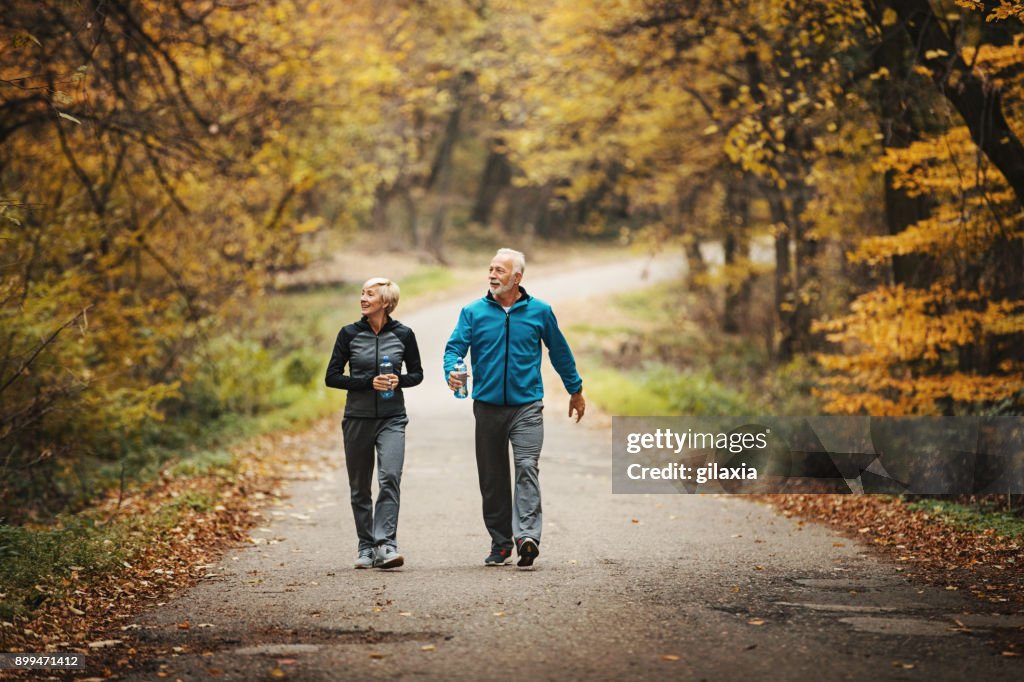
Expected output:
(508, 316)
(376, 368)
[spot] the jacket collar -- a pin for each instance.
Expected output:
(523, 298)
(364, 323)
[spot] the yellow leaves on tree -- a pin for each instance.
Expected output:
(953, 346)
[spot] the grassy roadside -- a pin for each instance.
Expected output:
(648, 356)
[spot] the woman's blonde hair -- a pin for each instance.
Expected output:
(389, 292)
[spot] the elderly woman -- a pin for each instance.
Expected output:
(373, 421)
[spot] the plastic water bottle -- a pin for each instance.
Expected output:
(387, 368)
(462, 375)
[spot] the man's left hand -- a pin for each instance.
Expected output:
(576, 402)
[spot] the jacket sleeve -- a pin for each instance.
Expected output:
(560, 354)
(336, 377)
(413, 368)
(459, 342)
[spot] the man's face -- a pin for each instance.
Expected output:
(501, 279)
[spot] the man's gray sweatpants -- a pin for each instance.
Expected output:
(379, 525)
(497, 426)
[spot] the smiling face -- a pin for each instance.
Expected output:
(370, 301)
(500, 276)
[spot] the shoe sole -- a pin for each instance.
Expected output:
(505, 562)
(528, 551)
(392, 563)
(362, 566)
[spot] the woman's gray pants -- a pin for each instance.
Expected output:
(375, 525)
(522, 426)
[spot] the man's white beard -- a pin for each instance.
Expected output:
(500, 290)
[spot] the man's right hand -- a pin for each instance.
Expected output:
(454, 382)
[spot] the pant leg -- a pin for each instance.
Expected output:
(527, 437)
(359, 440)
(390, 460)
(493, 471)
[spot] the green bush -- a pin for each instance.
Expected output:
(302, 366)
(700, 393)
(232, 375)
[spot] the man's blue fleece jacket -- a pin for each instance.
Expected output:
(504, 350)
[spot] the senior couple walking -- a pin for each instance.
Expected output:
(502, 334)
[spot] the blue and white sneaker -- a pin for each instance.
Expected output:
(365, 558)
(388, 557)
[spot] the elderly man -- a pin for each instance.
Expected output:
(503, 331)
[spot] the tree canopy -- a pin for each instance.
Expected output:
(162, 162)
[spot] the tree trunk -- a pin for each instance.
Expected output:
(785, 295)
(497, 176)
(897, 115)
(737, 294)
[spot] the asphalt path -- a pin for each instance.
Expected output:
(626, 586)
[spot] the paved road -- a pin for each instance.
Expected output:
(627, 587)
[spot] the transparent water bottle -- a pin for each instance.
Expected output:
(386, 368)
(462, 375)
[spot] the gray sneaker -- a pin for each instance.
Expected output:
(365, 559)
(388, 557)
(528, 551)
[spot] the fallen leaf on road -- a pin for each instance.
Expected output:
(839, 544)
(184, 626)
(499, 613)
(636, 520)
(405, 613)
(735, 588)
(427, 647)
(104, 643)
(376, 654)
(758, 568)
(277, 672)
(755, 621)
(670, 657)
(901, 664)
(1010, 654)
(287, 661)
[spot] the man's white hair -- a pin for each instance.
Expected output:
(518, 259)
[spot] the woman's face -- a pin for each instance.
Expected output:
(370, 301)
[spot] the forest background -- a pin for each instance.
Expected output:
(846, 180)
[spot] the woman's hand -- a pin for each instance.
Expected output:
(383, 382)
